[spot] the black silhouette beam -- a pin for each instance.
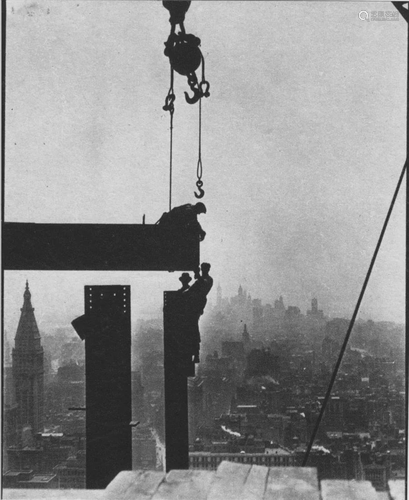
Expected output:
(98, 247)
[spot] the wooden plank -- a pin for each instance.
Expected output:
(255, 484)
(133, 485)
(382, 495)
(51, 494)
(228, 481)
(292, 483)
(397, 489)
(338, 489)
(97, 247)
(185, 485)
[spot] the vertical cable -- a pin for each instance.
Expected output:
(170, 160)
(169, 106)
(199, 161)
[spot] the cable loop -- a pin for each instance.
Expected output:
(204, 87)
(169, 102)
(199, 171)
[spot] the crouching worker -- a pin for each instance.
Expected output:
(185, 218)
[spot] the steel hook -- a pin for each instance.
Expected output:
(199, 185)
(196, 96)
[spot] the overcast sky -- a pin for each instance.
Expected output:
(303, 144)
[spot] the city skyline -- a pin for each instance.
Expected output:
(46, 315)
(254, 398)
(303, 143)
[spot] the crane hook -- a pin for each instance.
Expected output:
(197, 94)
(199, 185)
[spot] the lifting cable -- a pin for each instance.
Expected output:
(185, 57)
(169, 106)
(199, 172)
(351, 324)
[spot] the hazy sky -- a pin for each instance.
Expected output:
(303, 144)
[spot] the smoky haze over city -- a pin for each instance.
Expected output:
(256, 392)
(303, 141)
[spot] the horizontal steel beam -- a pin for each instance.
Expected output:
(98, 247)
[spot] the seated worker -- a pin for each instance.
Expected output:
(185, 217)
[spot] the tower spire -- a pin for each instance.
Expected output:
(28, 369)
(27, 330)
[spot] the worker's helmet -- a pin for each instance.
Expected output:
(200, 208)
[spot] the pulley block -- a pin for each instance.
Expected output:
(184, 53)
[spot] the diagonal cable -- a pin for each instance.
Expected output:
(351, 324)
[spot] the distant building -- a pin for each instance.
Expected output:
(337, 328)
(314, 312)
(219, 299)
(258, 315)
(138, 397)
(377, 474)
(262, 362)
(71, 472)
(330, 350)
(196, 405)
(42, 454)
(233, 349)
(292, 312)
(28, 480)
(74, 350)
(143, 448)
(28, 369)
(279, 307)
(334, 416)
(246, 338)
(210, 461)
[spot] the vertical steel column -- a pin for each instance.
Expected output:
(178, 366)
(106, 328)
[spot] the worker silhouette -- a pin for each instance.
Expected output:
(195, 300)
(185, 279)
(184, 218)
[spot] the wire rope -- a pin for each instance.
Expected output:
(351, 324)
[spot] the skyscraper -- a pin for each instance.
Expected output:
(28, 369)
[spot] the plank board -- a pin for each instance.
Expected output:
(132, 485)
(255, 484)
(292, 483)
(397, 489)
(338, 489)
(185, 485)
(51, 494)
(228, 481)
